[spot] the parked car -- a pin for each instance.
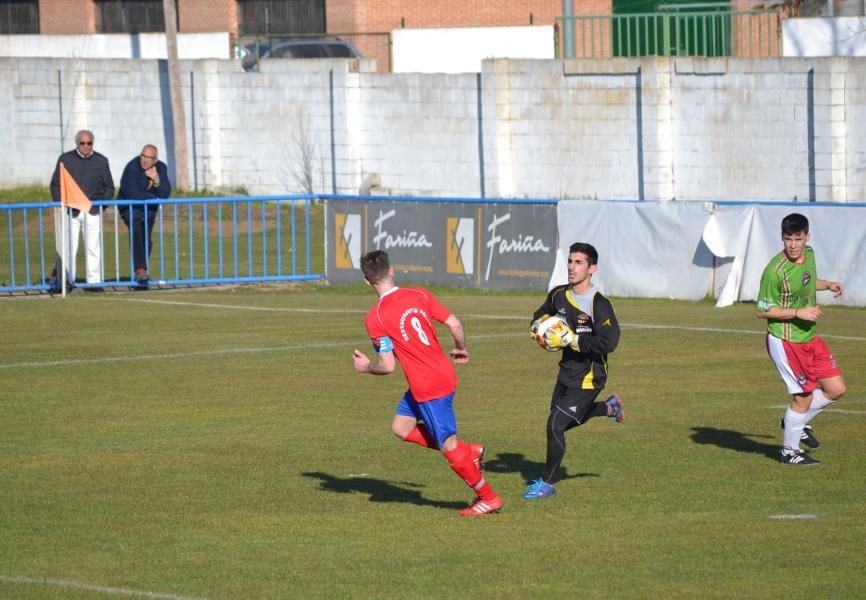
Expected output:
(296, 48)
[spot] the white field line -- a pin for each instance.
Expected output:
(845, 401)
(167, 355)
(841, 411)
(464, 315)
(793, 517)
(75, 585)
(78, 361)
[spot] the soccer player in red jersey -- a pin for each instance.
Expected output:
(401, 328)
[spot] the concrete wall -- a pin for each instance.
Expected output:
(652, 128)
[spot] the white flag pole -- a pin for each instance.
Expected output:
(65, 252)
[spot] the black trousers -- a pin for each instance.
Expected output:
(569, 407)
(139, 220)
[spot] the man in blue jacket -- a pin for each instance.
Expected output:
(145, 177)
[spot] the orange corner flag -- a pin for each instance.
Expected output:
(70, 193)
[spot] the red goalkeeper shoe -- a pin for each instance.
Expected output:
(482, 507)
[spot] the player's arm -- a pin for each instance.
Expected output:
(385, 360)
(777, 313)
(440, 314)
(606, 336)
(543, 311)
(768, 304)
(833, 286)
(459, 353)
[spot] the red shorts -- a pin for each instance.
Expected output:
(802, 365)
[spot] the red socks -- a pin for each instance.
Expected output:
(421, 436)
(460, 460)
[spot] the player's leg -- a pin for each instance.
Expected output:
(824, 370)
(557, 424)
(829, 390)
(406, 425)
(572, 407)
(441, 421)
(611, 408)
(569, 408)
(790, 360)
(795, 420)
(818, 373)
(794, 431)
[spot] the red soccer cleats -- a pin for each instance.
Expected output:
(482, 507)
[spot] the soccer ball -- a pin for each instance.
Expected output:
(554, 333)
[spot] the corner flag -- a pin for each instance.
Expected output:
(70, 192)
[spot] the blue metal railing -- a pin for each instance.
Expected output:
(195, 241)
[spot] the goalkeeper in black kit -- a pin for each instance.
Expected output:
(583, 367)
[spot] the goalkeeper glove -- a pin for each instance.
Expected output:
(533, 327)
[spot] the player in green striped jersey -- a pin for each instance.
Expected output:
(788, 300)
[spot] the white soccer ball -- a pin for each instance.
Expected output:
(554, 334)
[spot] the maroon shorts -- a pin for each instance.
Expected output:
(802, 365)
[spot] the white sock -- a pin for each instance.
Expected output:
(819, 403)
(794, 423)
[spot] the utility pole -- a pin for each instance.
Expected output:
(181, 167)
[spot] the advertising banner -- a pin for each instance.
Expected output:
(498, 245)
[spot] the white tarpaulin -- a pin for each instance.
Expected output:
(751, 235)
(646, 249)
(673, 249)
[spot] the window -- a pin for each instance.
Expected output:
(340, 51)
(129, 16)
(274, 17)
(19, 16)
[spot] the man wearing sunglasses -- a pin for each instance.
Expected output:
(90, 171)
(145, 177)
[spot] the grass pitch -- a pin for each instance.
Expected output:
(218, 444)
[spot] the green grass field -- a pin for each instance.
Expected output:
(218, 444)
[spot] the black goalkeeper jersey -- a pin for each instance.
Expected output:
(593, 321)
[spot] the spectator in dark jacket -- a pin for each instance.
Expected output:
(144, 178)
(90, 171)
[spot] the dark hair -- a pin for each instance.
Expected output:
(794, 223)
(588, 249)
(375, 266)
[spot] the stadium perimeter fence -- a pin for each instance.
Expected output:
(466, 242)
(195, 241)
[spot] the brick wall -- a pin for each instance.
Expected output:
(339, 15)
(67, 16)
(79, 16)
(373, 16)
(384, 15)
(199, 16)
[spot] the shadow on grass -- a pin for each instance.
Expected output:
(735, 440)
(380, 490)
(512, 462)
